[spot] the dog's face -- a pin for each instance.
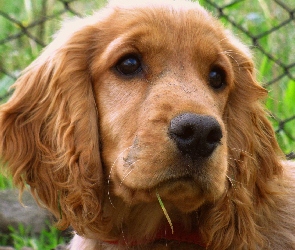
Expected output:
(161, 89)
(133, 103)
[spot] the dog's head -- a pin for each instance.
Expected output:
(131, 102)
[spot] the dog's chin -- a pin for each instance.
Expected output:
(186, 194)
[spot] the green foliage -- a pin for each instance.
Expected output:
(5, 182)
(22, 237)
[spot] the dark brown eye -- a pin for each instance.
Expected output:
(129, 65)
(217, 78)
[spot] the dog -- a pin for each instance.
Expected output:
(143, 127)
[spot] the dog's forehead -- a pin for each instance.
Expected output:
(163, 24)
(175, 11)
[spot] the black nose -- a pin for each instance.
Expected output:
(195, 135)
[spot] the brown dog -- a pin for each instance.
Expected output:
(143, 104)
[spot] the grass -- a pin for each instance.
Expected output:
(165, 211)
(5, 182)
(18, 53)
(21, 237)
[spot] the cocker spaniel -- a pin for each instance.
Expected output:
(142, 128)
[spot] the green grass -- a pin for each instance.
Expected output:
(21, 237)
(5, 182)
(18, 53)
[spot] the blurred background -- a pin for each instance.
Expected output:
(266, 26)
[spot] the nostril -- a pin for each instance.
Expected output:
(188, 132)
(184, 132)
(214, 136)
(195, 135)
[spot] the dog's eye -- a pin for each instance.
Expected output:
(129, 65)
(217, 78)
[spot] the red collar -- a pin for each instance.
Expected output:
(178, 235)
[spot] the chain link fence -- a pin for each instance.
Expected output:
(267, 26)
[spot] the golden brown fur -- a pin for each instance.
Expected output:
(93, 146)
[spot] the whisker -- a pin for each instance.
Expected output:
(227, 53)
(230, 180)
(234, 183)
(122, 229)
(235, 159)
(126, 175)
(109, 177)
(246, 153)
(225, 38)
(239, 150)
(123, 234)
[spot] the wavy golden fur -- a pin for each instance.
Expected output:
(93, 127)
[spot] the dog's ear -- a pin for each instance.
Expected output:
(254, 157)
(250, 134)
(49, 130)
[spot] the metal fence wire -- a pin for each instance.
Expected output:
(267, 26)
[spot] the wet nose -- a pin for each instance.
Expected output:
(195, 135)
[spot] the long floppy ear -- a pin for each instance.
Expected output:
(254, 159)
(49, 132)
(250, 134)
